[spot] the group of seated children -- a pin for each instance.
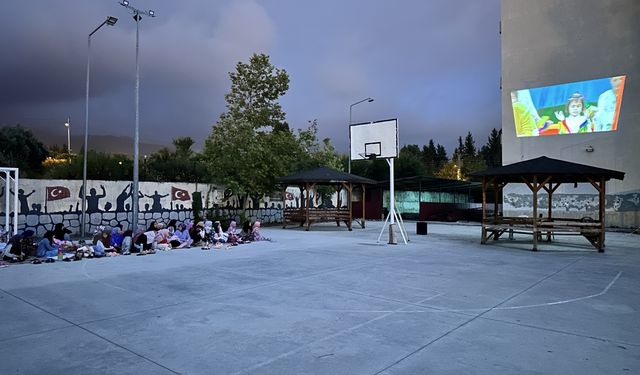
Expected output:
(208, 234)
(113, 241)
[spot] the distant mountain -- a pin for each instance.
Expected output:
(105, 143)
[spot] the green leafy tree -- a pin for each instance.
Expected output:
(465, 157)
(180, 165)
(20, 149)
(255, 90)
(434, 157)
(251, 144)
(450, 170)
(100, 166)
(243, 152)
(314, 153)
(409, 162)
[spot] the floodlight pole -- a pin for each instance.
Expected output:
(67, 125)
(109, 21)
(368, 100)
(136, 138)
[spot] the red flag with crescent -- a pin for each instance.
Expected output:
(179, 194)
(55, 193)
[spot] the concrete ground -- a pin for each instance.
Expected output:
(331, 301)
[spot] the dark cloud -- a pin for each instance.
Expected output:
(434, 65)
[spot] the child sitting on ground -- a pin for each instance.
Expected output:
(255, 231)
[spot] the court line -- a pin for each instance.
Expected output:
(89, 331)
(419, 349)
(304, 346)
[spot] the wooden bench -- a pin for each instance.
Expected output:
(591, 230)
(299, 215)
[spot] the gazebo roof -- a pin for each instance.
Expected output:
(559, 170)
(323, 175)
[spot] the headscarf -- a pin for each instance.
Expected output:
(162, 236)
(256, 231)
(208, 225)
(232, 227)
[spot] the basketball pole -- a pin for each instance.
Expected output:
(392, 216)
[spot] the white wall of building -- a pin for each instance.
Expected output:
(549, 42)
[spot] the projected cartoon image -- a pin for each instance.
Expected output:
(570, 108)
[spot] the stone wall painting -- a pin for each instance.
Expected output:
(42, 203)
(622, 209)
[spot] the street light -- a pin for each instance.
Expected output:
(136, 138)
(368, 100)
(109, 21)
(67, 124)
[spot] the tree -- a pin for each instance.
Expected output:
(100, 166)
(429, 154)
(251, 144)
(492, 151)
(441, 157)
(459, 152)
(183, 146)
(314, 153)
(449, 170)
(20, 149)
(409, 162)
(180, 165)
(255, 90)
(466, 157)
(469, 145)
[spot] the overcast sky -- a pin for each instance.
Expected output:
(434, 65)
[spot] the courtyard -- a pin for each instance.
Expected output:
(329, 301)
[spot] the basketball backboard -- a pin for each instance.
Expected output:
(377, 139)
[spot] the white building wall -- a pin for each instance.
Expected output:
(548, 42)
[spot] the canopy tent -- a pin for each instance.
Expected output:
(548, 174)
(306, 181)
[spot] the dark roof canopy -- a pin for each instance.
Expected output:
(559, 170)
(323, 175)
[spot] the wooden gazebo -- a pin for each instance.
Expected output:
(546, 174)
(306, 181)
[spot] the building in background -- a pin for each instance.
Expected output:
(556, 42)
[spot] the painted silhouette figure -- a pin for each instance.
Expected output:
(93, 198)
(122, 197)
(156, 200)
(24, 203)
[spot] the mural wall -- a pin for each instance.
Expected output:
(621, 209)
(43, 203)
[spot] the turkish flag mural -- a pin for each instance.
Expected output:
(179, 194)
(55, 193)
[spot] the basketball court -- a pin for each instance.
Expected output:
(330, 301)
